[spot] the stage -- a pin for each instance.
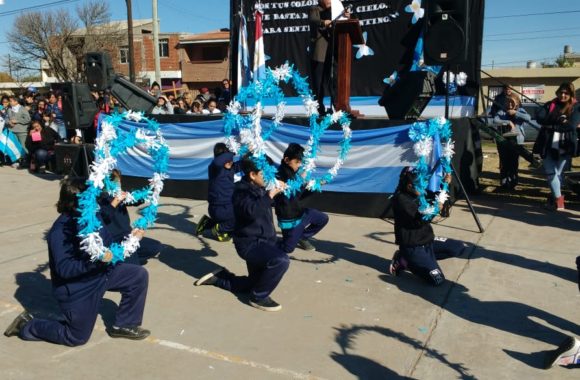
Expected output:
(380, 148)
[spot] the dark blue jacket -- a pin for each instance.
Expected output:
(74, 277)
(221, 180)
(254, 220)
(116, 219)
(53, 108)
(288, 209)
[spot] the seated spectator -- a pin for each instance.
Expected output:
(181, 107)
(211, 108)
(48, 121)
(224, 94)
(197, 108)
(204, 95)
(40, 144)
(163, 107)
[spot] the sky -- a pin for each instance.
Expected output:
(510, 39)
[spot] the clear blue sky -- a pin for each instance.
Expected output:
(537, 38)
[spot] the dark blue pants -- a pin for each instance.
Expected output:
(312, 222)
(266, 265)
(578, 267)
(223, 215)
(41, 157)
(422, 259)
(130, 280)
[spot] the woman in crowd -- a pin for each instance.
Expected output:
(40, 145)
(557, 141)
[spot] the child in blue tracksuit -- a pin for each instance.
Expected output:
(79, 284)
(255, 241)
(116, 219)
(414, 235)
(220, 172)
(298, 224)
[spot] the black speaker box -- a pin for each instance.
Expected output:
(78, 106)
(131, 96)
(408, 97)
(446, 31)
(99, 70)
(70, 159)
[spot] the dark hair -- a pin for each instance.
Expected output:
(220, 148)
(293, 152)
(248, 165)
(568, 87)
(115, 175)
(70, 187)
(406, 177)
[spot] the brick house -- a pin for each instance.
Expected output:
(205, 59)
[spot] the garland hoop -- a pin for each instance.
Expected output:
(251, 138)
(111, 142)
(427, 135)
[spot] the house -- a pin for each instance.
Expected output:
(205, 59)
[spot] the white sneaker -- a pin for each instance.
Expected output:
(568, 353)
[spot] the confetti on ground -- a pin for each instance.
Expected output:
(423, 330)
(348, 279)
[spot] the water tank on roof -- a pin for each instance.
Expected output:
(531, 64)
(567, 49)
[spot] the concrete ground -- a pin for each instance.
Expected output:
(511, 296)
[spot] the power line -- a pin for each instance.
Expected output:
(534, 14)
(530, 31)
(531, 38)
(522, 61)
(46, 5)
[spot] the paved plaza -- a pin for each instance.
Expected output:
(511, 296)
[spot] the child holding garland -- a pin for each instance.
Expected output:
(79, 284)
(297, 223)
(418, 250)
(220, 191)
(255, 241)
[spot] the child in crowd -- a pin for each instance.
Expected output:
(116, 219)
(79, 284)
(220, 191)
(297, 223)
(255, 242)
(418, 250)
(40, 145)
(514, 118)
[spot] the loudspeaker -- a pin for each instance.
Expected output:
(70, 159)
(131, 96)
(99, 70)
(78, 106)
(446, 31)
(408, 97)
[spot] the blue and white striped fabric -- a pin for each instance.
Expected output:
(459, 106)
(373, 166)
(9, 145)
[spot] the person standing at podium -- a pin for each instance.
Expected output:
(321, 22)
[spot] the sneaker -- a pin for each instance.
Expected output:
(42, 169)
(266, 304)
(209, 278)
(567, 353)
(18, 324)
(16, 165)
(398, 264)
(220, 236)
(134, 333)
(306, 245)
(201, 225)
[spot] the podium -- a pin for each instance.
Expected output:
(347, 33)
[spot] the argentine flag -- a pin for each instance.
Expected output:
(244, 74)
(9, 145)
(259, 56)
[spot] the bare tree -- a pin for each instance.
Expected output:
(61, 40)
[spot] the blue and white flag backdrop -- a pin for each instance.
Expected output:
(373, 166)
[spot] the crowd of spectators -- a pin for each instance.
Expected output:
(38, 123)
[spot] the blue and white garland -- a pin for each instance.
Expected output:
(423, 134)
(112, 142)
(251, 136)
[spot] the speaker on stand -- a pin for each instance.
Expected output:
(99, 70)
(446, 36)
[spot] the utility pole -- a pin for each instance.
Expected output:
(156, 44)
(131, 47)
(9, 66)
